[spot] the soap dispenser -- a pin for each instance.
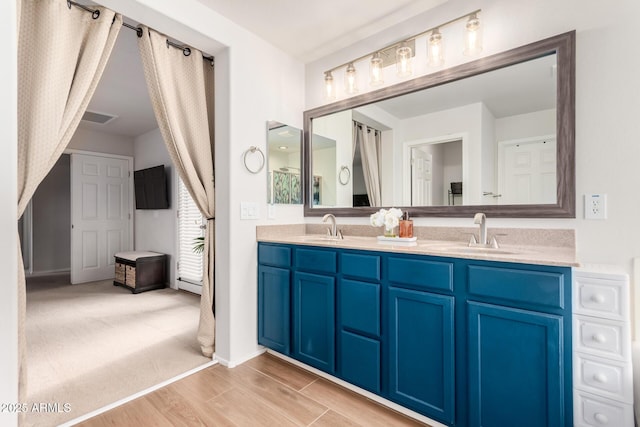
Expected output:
(406, 226)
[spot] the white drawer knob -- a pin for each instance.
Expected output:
(597, 298)
(599, 338)
(600, 378)
(601, 418)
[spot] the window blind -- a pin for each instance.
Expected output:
(190, 226)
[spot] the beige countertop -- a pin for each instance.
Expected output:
(562, 255)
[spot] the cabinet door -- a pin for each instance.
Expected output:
(314, 320)
(274, 308)
(515, 367)
(422, 352)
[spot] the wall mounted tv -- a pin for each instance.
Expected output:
(151, 188)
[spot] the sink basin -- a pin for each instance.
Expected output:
(465, 249)
(321, 239)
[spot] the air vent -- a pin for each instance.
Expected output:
(99, 118)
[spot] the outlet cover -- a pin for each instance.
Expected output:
(595, 206)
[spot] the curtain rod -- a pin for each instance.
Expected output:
(95, 14)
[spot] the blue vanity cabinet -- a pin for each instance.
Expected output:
(519, 346)
(421, 336)
(314, 301)
(464, 342)
(274, 297)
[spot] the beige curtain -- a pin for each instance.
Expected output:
(62, 53)
(369, 140)
(181, 90)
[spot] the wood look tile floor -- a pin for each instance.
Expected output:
(265, 391)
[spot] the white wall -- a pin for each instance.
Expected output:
(8, 214)
(607, 106)
(100, 142)
(155, 229)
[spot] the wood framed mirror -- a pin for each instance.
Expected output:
(512, 156)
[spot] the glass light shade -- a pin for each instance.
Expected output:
(375, 70)
(351, 80)
(329, 87)
(403, 60)
(472, 36)
(435, 52)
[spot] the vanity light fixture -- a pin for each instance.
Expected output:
(329, 88)
(435, 49)
(351, 79)
(375, 70)
(401, 54)
(472, 36)
(403, 60)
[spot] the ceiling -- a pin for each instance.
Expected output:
(311, 29)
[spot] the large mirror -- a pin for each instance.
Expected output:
(494, 135)
(284, 179)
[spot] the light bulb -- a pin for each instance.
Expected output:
(403, 60)
(329, 88)
(435, 49)
(351, 80)
(375, 70)
(472, 36)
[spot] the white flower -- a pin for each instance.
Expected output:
(389, 218)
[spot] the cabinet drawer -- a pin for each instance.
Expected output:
(600, 297)
(360, 358)
(277, 256)
(607, 338)
(529, 287)
(360, 306)
(590, 410)
(421, 273)
(316, 260)
(604, 377)
(360, 266)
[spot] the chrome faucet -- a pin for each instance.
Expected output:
(481, 220)
(333, 231)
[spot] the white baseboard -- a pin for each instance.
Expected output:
(136, 395)
(360, 391)
(234, 363)
(58, 272)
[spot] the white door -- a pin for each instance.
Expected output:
(190, 228)
(528, 172)
(421, 177)
(100, 215)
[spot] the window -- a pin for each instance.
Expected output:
(190, 227)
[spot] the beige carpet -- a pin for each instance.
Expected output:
(92, 344)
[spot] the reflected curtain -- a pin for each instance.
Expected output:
(369, 140)
(62, 54)
(181, 91)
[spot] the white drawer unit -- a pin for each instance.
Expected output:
(602, 370)
(593, 410)
(599, 297)
(601, 337)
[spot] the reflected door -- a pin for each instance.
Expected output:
(421, 177)
(528, 172)
(100, 215)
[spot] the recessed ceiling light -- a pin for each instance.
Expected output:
(283, 147)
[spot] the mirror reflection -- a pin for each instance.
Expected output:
(483, 140)
(283, 164)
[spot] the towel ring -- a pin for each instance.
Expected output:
(253, 150)
(344, 181)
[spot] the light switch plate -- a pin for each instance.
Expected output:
(595, 206)
(249, 210)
